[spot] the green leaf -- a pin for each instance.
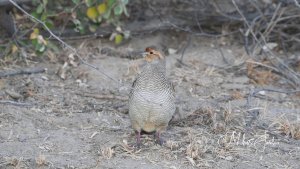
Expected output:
(53, 46)
(35, 14)
(35, 2)
(40, 9)
(125, 2)
(76, 2)
(68, 10)
(34, 42)
(99, 19)
(44, 16)
(118, 10)
(89, 3)
(118, 39)
(78, 26)
(45, 2)
(37, 46)
(42, 48)
(110, 3)
(49, 24)
(52, 13)
(93, 28)
(107, 14)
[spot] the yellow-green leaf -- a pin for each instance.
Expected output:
(40, 9)
(14, 49)
(34, 34)
(102, 8)
(92, 13)
(36, 31)
(110, 3)
(118, 39)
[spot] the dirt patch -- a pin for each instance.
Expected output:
(82, 121)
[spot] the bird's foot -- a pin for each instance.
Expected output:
(138, 139)
(158, 139)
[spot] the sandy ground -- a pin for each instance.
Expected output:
(82, 121)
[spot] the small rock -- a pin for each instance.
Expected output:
(45, 78)
(13, 94)
(229, 158)
(172, 51)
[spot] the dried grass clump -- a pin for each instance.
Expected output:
(107, 152)
(288, 128)
(41, 160)
(204, 116)
(260, 75)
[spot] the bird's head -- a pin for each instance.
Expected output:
(152, 55)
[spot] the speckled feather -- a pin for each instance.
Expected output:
(151, 100)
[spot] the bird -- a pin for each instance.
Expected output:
(152, 98)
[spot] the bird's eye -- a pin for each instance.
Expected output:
(151, 53)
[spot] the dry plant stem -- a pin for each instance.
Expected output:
(255, 91)
(261, 64)
(101, 96)
(273, 22)
(201, 33)
(297, 3)
(221, 52)
(184, 49)
(14, 103)
(22, 71)
(218, 9)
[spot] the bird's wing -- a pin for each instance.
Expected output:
(172, 88)
(132, 87)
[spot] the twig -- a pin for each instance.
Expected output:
(201, 33)
(22, 71)
(257, 90)
(184, 49)
(218, 9)
(297, 3)
(264, 65)
(221, 52)
(101, 96)
(14, 103)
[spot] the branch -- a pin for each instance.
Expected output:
(14, 103)
(22, 71)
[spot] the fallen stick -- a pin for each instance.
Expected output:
(14, 103)
(22, 71)
(101, 96)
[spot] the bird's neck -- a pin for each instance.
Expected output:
(156, 66)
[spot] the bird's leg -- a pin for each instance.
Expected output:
(138, 138)
(158, 139)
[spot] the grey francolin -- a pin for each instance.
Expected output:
(152, 97)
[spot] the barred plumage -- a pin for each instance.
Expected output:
(152, 98)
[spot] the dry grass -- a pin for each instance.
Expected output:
(41, 160)
(107, 152)
(259, 75)
(288, 127)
